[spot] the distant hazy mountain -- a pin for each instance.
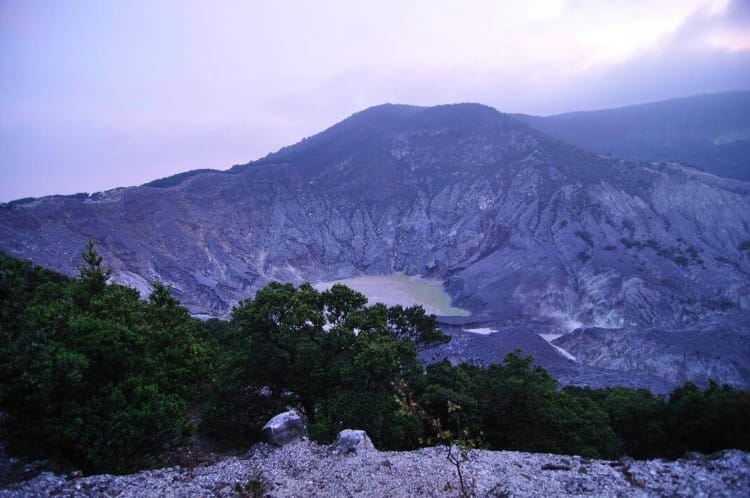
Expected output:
(708, 131)
(523, 229)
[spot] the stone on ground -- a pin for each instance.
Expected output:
(284, 428)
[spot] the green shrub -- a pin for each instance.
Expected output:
(90, 374)
(93, 376)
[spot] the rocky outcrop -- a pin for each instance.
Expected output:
(307, 469)
(716, 350)
(284, 428)
(352, 441)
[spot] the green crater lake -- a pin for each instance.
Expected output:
(398, 288)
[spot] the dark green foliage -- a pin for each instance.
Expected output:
(415, 325)
(346, 364)
(691, 420)
(635, 415)
(93, 276)
(254, 486)
(522, 409)
(446, 385)
(90, 373)
(94, 376)
(512, 399)
(517, 406)
(707, 420)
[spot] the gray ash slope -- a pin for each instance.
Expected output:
(520, 226)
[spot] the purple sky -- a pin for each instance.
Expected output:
(100, 94)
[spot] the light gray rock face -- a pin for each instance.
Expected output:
(522, 228)
(307, 469)
(352, 441)
(284, 428)
(718, 350)
(589, 371)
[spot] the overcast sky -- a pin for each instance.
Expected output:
(100, 94)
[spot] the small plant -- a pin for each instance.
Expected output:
(459, 451)
(254, 487)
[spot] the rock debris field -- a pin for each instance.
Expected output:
(307, 469)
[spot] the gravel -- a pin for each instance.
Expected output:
(307, 469)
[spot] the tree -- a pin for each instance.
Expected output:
(101, 382)
(93, 276)
(637, 417)
(415, 325)
(346, 364)
(707, 420)
(446, 385)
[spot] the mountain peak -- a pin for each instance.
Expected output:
(405, 110)
(460, 114)
(378, 126)
(394, 117)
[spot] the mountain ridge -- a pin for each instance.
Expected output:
(711, 131)
(521, 227)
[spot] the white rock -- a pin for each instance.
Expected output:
(353, 441)
(284, 428)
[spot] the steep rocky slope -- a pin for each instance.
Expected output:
(716, 350)
(519, 226)
(709, 131)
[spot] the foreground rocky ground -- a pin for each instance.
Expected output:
(304, 468)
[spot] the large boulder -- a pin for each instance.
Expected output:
(353, 441)
(284, 428)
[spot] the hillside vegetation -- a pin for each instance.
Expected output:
(94, 377)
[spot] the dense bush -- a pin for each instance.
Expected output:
(691, 419)
(517, 406)
(94, 376)
(345, 364)
(89, 372)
